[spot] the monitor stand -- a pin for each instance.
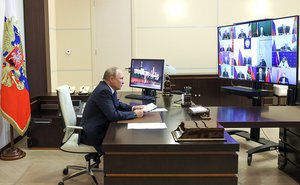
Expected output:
(146, 95)
(255, 93)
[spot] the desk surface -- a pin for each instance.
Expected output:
(254, 117)
(118, 136)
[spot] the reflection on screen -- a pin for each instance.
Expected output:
(260, 51)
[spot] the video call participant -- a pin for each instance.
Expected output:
(284, 63)
(283, 79)
(242, 35)
(260, 75)
(241, 75)
(226, 35)
(221, 48)
(262, 62)
(226, 60)
(247, 61)
(225, 73)
(103, 107)
(229, 48)
(286, 47)
(283, 29)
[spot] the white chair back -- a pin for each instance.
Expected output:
(67, 110)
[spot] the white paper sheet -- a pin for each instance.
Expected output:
(147, 125)
(159, 110)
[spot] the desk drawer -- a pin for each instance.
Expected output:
(295, 130)
(289, 168)
(293, 155)
(171, 163)
(292, 138)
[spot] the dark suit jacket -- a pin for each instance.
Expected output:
(225, 74)
(247, 61)
(242, 35)
(241, 75)
(101, 109)
(284, 80)
(226, 36)
(262, 63)
(283, 31)
(263, 77)
(285, 48)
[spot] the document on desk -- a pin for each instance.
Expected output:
(147, 126)
(149, 107)
(159, 110)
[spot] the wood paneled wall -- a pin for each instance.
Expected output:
(37, 46)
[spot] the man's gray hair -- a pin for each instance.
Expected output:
(112, 71)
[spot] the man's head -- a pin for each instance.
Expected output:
(114, 77)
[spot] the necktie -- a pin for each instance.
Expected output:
(116, 101)
(115, 95)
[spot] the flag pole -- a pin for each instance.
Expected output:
(12, 153)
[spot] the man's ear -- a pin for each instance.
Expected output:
(111, 79)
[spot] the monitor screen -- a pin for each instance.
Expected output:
(147, 73)
(260, 51)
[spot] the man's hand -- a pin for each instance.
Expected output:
(138, 107)
(139, 113)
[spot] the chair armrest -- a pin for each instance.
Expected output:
(75, 127)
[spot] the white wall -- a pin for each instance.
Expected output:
(4, 126)
(70, 30)
(181, 31)
(184, 31)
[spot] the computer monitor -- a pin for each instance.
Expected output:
(261, 51)
(147, 74)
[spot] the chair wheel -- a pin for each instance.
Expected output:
(65, 172)
(61, 183)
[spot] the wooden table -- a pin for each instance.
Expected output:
(147, 157)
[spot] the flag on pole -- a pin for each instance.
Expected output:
(240, 58)
(274, 46)
(15, 100)
(295, 30)
(273, 28)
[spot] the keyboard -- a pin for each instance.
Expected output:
(139, 97)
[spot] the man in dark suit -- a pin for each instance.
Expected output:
(262, 63)
(247, 61)
(226, 35)
(260, 75)
(229, 48)
(286, 47)
(242, 35)
(225, 73)
(241, 75)
(103, 107)
(283, 29)
(283, 79)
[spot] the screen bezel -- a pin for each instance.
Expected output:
(220, 71)
(152, 60)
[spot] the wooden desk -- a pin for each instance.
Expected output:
(257, 117)
(287, 118)
(147, 157)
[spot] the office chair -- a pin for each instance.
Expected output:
(70, 142)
